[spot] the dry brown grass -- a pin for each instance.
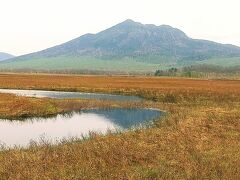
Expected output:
(12, 106)
(19, 107)
(109, 83)
(199, 139)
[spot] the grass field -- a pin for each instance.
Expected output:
(126, 65)
(224, 62)
(198, 139)
(73, 63)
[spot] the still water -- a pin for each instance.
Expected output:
(65, 95)
(74, 124)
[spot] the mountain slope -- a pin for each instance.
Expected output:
(5, 56)
(128, 42)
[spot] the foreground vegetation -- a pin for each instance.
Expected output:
(198, 139)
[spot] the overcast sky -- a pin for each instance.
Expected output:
(31, 25)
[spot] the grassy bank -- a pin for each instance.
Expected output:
(18, 107)
(199, 138)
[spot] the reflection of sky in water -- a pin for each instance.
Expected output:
(72, 125)
(126, 118)
(64, 95)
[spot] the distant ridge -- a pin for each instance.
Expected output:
(5, 56)
(128, 42)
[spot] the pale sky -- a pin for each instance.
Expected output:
(31, 25)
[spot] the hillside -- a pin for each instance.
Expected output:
(128, 46)
(5, 56)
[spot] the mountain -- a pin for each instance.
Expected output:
(130, 43)
(5, 56)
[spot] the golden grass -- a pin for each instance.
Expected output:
(199, 139)
(19, 107)
(12, 106)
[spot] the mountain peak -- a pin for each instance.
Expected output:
(129, 23)
(147, 42)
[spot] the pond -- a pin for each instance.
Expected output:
(66, 95)
(75, 124)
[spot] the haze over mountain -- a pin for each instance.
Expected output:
(5, 56)
(126, 43)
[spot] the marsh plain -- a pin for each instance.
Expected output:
(198, 137)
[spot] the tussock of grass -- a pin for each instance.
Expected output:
(19, 107)
(12, 106)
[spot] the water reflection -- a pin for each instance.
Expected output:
(74, 124)
(65, 95)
